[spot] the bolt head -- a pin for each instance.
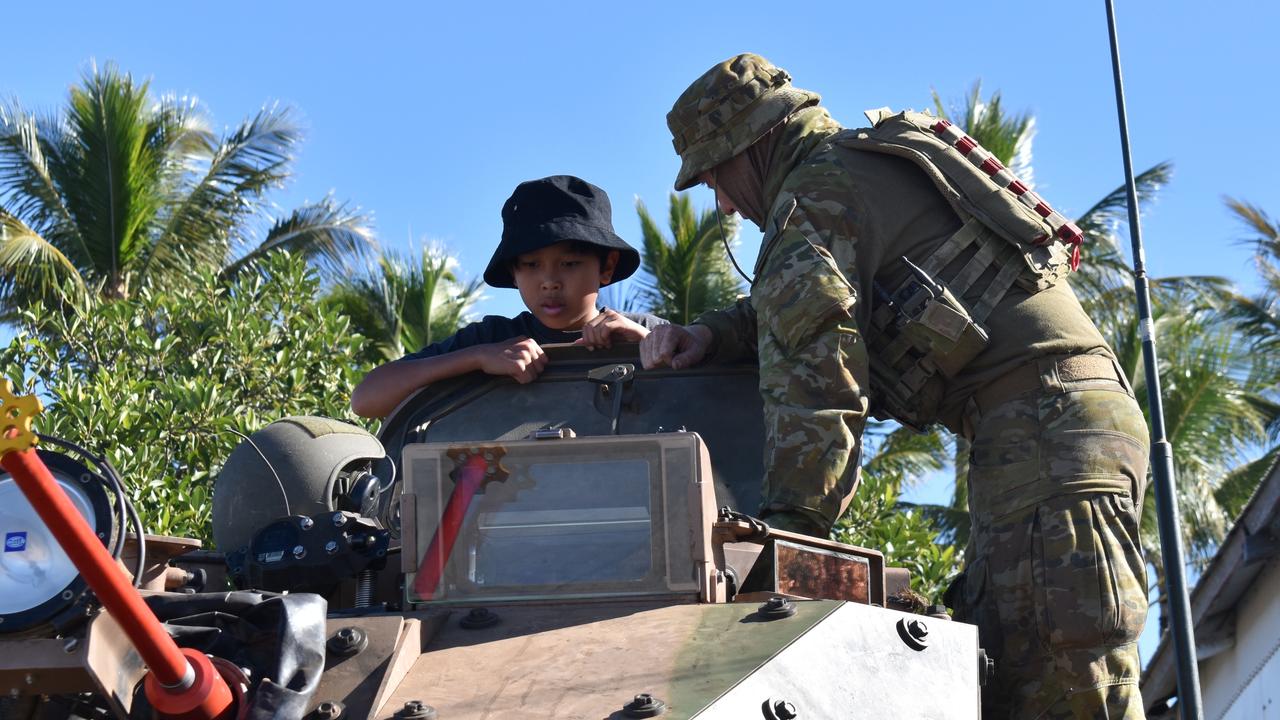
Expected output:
(299, 552)
(306, 523)
(339, 519)
(331, 547)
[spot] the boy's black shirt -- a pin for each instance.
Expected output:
(496, 328)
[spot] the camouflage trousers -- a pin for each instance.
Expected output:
(1055, 579)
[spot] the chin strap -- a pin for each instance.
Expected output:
(715, 203)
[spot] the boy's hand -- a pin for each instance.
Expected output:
(522, 359)
(602, 330)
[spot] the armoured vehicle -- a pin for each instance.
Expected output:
(571, 548)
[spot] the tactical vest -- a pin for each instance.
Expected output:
(921, 331)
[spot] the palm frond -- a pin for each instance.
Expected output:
(327, 232)
(30, 191)
(1007, 136)
(435, 300)
(1239, 485)
(688, 274)
(908, 455)
(1104, 264)
(30, 266)
(402, 304)
(110, 171)
(254, 157)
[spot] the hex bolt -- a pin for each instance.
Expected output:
(331, 547)
(784, 710)
(299, 552)
(644, 705)
(479, 618)
(776, 608)
(327, 710)
(914, 633)
(338, 519)
(347, 641)
(306, 523)
(416, 710)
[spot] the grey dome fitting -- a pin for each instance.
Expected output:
(307, 453)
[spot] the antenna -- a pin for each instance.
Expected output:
(1184, 640)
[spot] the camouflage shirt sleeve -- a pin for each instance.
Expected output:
(733, 332)
(813, 365)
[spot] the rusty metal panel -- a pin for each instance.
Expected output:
(815, 573)
(818, 572)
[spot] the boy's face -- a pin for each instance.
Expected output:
(560, 285)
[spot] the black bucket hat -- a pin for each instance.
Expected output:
(554, 209)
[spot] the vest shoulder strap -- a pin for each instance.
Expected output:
(976, 184)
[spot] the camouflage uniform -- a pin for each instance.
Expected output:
(1055, 580)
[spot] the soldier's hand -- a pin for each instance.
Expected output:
(675, 346)
(522, 359)
(610, 326)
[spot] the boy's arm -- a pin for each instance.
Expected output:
(387, 385)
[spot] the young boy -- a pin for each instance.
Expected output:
(558, 249)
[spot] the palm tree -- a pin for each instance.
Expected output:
(688, 274)
(118, 190)
(1259, 320)
(404, 303)
(1260, 314)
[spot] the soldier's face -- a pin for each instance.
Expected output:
(722, 200)
(559, 285)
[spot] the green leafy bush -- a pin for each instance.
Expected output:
(158, 382)
(907, 537)
(877, 517)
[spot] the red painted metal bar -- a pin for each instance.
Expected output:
(470, 479)
(171, 674)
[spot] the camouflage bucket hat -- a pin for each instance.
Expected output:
(730, 107)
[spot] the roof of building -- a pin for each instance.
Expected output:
(1240, 559)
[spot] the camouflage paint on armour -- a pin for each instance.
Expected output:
(1057, 586)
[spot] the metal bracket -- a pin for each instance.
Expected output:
(614, 381)
(491, 456)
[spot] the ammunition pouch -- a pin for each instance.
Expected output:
(920, 333)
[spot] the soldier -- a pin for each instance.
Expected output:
(905, 273)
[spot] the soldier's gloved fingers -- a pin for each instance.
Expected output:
(688, 356)
(670, 343)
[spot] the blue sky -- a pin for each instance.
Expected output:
(429, 116)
